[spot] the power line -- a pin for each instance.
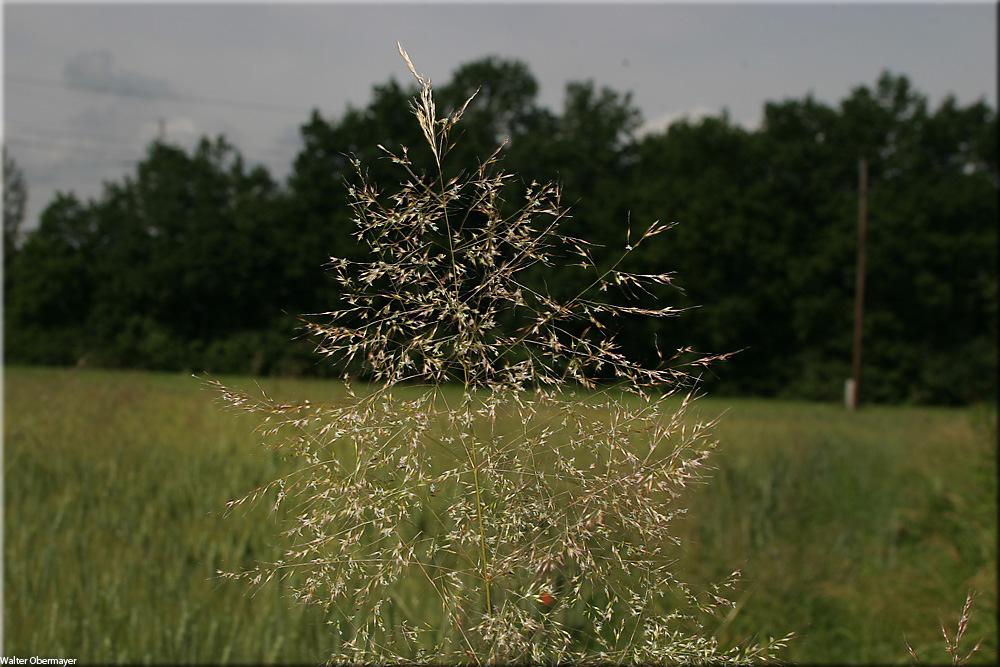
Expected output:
(174, 97)
(45, 143)
(48, 131)
(141, 144)
(120, 159)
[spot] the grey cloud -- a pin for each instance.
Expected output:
(95, 70)
(162, 59)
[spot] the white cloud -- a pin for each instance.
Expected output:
(663, 121)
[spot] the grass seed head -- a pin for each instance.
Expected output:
(503, 443)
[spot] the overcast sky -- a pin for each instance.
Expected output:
(84, 86)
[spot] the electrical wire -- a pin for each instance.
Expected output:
(175, 97)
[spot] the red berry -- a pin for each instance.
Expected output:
(546, 599)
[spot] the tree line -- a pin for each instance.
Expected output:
(198, 260)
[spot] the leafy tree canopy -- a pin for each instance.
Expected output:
(198, 260)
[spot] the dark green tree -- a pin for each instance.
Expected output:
(15, 198)
(50, 287)
(197, 260)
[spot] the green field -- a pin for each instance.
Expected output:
(852, 530)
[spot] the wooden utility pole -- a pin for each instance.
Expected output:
(162, 133)
(854, 388)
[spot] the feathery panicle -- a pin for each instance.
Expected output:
(549, 540)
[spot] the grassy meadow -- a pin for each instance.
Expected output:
(852, 530)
